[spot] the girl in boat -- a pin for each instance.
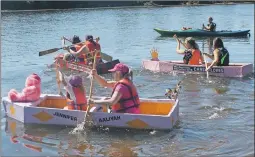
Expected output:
(192, 54)
(220, 55)
(124, 98)
(92, 46)
(76, 93)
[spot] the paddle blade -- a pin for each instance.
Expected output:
(106, 57)
(41, 53)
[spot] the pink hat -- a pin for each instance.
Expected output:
(120, 67)
(75, 81)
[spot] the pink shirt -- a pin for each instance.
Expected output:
(125, 95)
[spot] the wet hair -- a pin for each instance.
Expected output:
(76, 39)
(218, 43)
(90, 38)
(192, 42)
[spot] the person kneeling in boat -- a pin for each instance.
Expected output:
(211, 26)
(76, 93)
(192, 54)
(220, 55)
(124, 98)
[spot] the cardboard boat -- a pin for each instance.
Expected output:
(160, 114)
(233, 70)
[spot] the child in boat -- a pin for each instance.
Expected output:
(192, 54)
(124, 97)
(220, 55)
(154, 55)
(76, 93)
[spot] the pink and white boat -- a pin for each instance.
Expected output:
(233, 70)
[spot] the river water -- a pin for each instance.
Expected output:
(216, 115)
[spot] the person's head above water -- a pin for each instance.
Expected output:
(210, 19)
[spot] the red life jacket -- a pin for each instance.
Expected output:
(123, 104)
(81, 100)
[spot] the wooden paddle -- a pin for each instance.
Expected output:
(207, 73)
(104, 56)
(90, 91)
(175, 36)
(42, 53)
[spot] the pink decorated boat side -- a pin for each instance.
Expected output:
(233, 70)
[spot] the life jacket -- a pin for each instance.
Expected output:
(192, 57)
(92, 46)
(154, 56)
(81, 101)
(82, 57)
(123, 104)
(223, 57)
(213, 28)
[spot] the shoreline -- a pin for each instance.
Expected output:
(153, 5)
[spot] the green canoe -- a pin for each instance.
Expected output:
(200, 32)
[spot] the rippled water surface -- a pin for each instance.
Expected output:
(216, 114)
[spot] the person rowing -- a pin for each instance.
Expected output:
(92, 45)
(211, 26)
(220, 55)
(124, 97)
(192, 54)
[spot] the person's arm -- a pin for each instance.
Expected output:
(209, 55)
(215, 60)
(101, 81)
(113, 100)
(201, 58)
(62, 78)
(83, 50)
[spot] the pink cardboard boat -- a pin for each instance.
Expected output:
(233, 70)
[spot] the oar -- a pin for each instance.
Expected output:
(181, 42)
(90, 91)
(104, 56)
(207, 73)
(42, 53)
(57, 78)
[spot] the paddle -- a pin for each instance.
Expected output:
(175, 36)
(42, 53)
(90, 91)
(207, 73)
(104, 56)
(57, 79)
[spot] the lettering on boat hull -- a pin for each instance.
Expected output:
(197, 69)
(65, 116)
(107, 119)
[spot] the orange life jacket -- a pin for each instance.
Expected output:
(81, 57)
(196, 56)
(91, 46)
(81, 100)
(122, 105)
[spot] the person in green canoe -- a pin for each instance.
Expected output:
(211, 26)
(220, 55)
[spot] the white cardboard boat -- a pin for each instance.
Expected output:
(161, 114)
(233, 70)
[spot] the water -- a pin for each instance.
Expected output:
(216, 115)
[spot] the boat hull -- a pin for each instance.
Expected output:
(101, 68)
(233, 70)
(161, 114)
(200, 33)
